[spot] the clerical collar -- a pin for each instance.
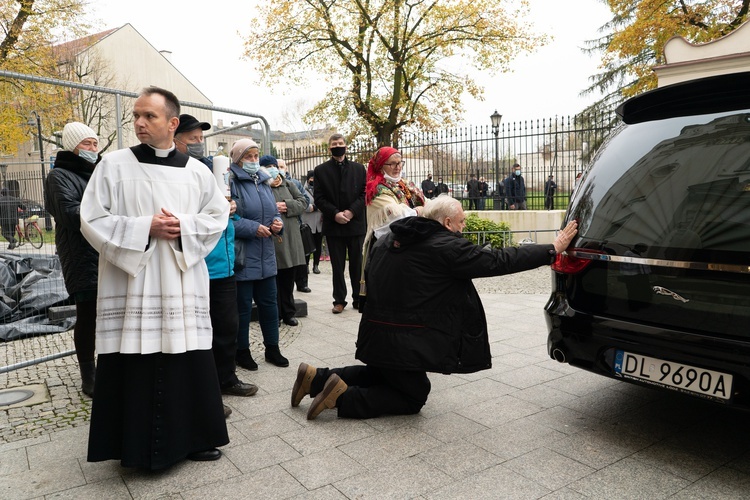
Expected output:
(161, 153)
(167, 157)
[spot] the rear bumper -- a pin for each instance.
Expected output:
(589, 342)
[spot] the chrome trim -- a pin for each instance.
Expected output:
(680, 264)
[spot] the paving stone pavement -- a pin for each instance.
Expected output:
(527, 428)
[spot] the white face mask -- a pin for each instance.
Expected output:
(87, 155)
(392, 179)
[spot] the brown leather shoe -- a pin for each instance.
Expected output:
(301, 388)
(338, 309)
(327, 398)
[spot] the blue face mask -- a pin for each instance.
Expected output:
(89, 156)
(517, 172)
(273, 172)
(251, 167)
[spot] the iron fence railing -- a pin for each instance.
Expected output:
(559, 146)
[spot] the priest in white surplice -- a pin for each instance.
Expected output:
(153, 214)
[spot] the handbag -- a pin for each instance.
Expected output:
(308, 241)
(239, 255)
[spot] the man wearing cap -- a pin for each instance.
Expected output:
(64, 190)
(154, 214)
(340, 195)
(188, 139)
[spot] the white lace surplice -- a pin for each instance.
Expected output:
(153, 293)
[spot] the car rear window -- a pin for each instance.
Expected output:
(675, 188)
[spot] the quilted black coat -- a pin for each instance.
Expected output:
(65, 185)
(422, 311)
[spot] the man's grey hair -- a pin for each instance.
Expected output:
(336, 137)
(441, 207)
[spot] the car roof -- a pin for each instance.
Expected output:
(713, 94)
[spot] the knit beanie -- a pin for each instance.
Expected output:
(74, 133)
(267, 160)
(239, 148)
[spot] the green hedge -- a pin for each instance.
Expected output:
(497, 234)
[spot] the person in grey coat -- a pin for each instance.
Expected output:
(290, 203)
(313, 217)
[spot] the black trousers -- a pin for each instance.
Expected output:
(84, 333)
(300, 275)
(376, 391)
(285, 292)
(549, 203)
(338, 248)
(224, 322)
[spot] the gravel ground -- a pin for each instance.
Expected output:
(535, 281)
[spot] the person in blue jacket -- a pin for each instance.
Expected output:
(188, 139)
(258, 223)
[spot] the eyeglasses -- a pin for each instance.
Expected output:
(401, 164)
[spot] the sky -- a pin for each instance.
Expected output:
(207, 48)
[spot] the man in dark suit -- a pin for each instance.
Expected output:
(340, 196)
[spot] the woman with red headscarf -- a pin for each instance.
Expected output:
(388, 197)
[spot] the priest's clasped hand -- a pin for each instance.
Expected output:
(165, 226)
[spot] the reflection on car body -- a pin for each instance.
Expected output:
(659, 274)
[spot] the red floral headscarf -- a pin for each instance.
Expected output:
(375, 171)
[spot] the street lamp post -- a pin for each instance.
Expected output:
(47, 217)
(496, 117)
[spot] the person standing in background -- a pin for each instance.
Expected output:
(188, 139)
(290, 203)
(313, 218)
(428, 187)
(258, 223)
(550, 187)
(472, 191)
(516, 190)
(340, 195)
(80, 262)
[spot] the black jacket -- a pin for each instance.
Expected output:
(423, 312)
(338, 187)
(65, 185)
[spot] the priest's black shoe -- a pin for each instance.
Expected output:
(240, 389)
(291, 321)
(304, 289)
(205, 456)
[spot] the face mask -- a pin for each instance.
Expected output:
(338, 151)
(392, 179)
(195, 150)
(89, 156)
(251, 167)
(273, 172)
(517, 172)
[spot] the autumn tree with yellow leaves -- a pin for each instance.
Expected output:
(634, 39)
(29, 29)
(390, 64)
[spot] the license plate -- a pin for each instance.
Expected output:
(672, 375)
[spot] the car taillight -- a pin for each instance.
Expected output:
(569, 264)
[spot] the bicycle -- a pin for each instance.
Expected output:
(30, 233)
